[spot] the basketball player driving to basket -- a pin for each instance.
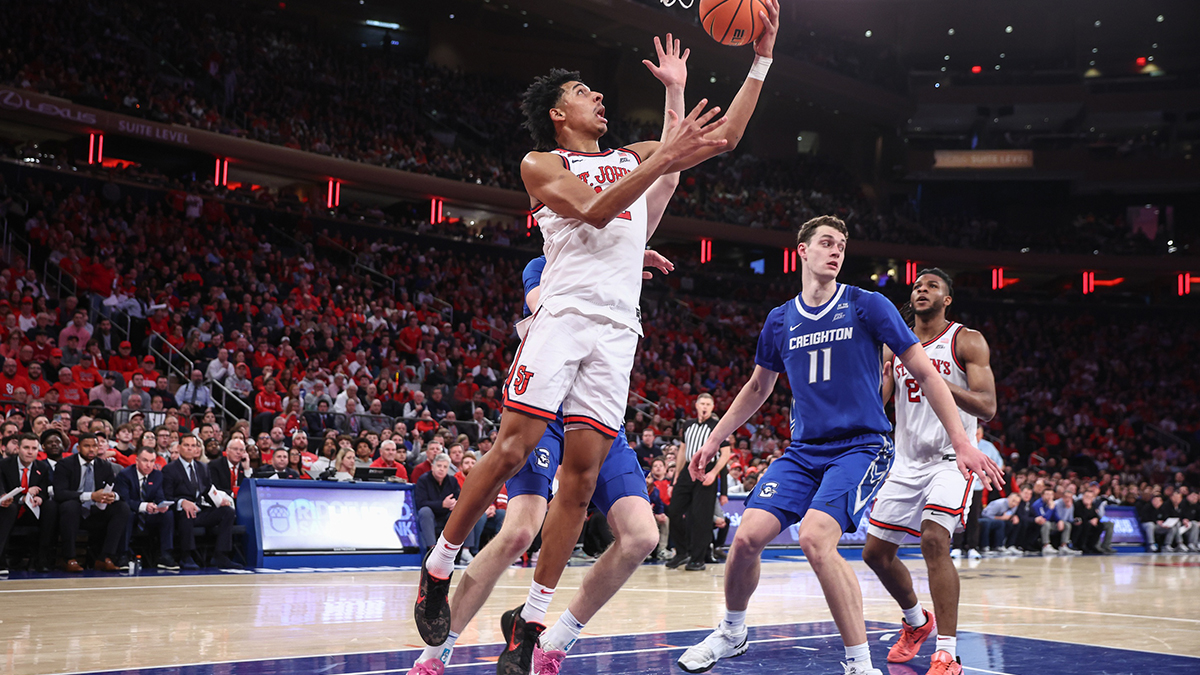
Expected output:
(579, 346)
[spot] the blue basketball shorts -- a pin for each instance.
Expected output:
(620, 475)
(839, 478)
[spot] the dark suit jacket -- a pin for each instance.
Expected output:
(69, 473)
(127, 487)
(266, 471)
(218, 473)
(317, 422)
(40, 475)
(176, 485)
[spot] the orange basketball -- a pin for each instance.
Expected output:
(732, 22)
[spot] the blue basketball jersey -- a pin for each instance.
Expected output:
(833, 358)
(531, 278)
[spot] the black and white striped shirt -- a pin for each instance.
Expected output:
(694, 436)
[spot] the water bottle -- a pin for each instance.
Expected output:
(135, 565)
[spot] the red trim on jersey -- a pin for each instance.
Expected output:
(954, 348)
(587, 154)
(584, 419)
(939, 335)
(635, 155)
(528, 409)
(517, 357)
(894, 528)
(537, 208)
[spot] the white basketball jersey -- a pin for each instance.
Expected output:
(589, 270)
(920, 438)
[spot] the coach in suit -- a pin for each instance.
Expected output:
(187, 483)
(278, 468)
(79, 483)
(141, 487)
(229, 470)
(25, 470)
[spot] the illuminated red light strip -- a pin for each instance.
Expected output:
(705, 250)
(100, 150)
(91, 148)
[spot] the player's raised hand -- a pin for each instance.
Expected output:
(684, 137)
(765, 43)
(972, 461)
(672, 63)
(657, 261)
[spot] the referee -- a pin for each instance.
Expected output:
(691, 509)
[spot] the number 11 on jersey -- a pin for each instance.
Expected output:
(827, 357)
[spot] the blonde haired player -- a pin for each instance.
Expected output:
(926, 494)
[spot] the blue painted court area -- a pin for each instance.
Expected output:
(775, 650)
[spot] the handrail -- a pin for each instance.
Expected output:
(155, 336)
(59, 278)
(1168, 437)
(10, 238)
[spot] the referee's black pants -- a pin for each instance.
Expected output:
(691, 515)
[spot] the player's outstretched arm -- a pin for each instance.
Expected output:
(744, 103)
(970, 459)
(979, 398)
(753, 394)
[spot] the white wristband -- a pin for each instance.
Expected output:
(758, 69)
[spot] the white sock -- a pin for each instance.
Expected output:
(915, 615)
(859, 655)
(563, 634)
(735, 622)
(537, 603)
(948, 644)
(440, 563)
(441, 653)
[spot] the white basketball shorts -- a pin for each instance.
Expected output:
(939, 494)
(576, 362)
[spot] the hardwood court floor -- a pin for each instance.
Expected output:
(1138, 602)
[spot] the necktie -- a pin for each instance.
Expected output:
(233, 476)
(141, 487)
(192, 479)
(87, 485)
(24, 486)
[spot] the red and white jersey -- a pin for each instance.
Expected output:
(591, 271)
(921, 440)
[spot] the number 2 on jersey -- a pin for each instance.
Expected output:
(914, 390)
(826, 370)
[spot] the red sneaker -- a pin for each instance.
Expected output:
(911, 639)
(941, 663)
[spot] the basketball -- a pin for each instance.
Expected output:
(732, 22)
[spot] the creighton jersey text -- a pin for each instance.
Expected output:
(832, 356)
(595, 271)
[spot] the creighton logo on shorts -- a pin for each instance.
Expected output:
(543, 457)
(768, 490)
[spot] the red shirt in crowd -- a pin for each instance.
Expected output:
(267, 401)
(384, 464)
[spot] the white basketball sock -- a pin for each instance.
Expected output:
(563, 634)
(442, 652)
(859, 655)
(537, 603)
(915, 615)
(734, 622)
(948, 644)
(440, 563)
